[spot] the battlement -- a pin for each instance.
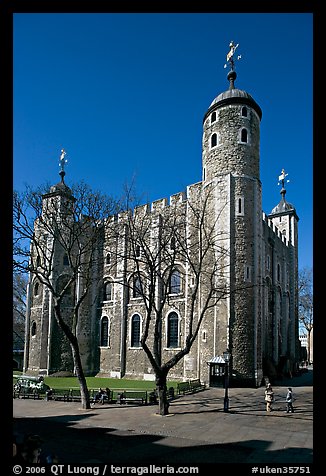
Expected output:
(274, 229)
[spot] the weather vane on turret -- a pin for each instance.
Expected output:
(62, 163)
(281, 180)
(229, 56)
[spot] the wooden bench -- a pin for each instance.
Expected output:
(74, 395)
(27, 393)
(183, 388)
(60, 394)
(133, 396)
(106, 397)
(196, 385)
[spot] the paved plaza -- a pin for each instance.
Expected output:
(196, 431)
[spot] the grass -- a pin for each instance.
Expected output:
(97, 382)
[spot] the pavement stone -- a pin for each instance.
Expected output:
(197, 430)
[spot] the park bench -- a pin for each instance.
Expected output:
(74, 395)
(183, 388)
(60, 394)
(106, 397)
(26, 393)
(196, 385)
(133, 396)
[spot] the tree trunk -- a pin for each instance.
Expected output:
(161, 388)
(85, 401)
(76, 357)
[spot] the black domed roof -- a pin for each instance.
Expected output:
(235, 96)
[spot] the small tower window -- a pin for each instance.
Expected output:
(214, 140)
(175, 282)
(135, 331)
(247, 273)
(172, 243)
(244, 112)
(104, 338)
(173, 330)
(137, 289)
(268, 262)
(36, 289)
(137, 251)
(213, 117)
(108, 258)
(244, 135)
(107, 294)
(278, 272)
(65, 260)
(239, 206)
(33, 329)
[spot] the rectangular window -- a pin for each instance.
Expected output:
(247, 273)
(239, 206)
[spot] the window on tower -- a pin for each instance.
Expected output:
(36, 288)
(173, 330)
(244, 112)
(175, 282)
(213, 117)
(135, 331)
(239, 206)
(137, 289)
(107, 291)
(244, 136)
(214, 140)
(104, 337)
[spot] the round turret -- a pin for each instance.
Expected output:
(231, 138)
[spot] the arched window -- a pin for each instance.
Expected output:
(175, 282)
(213, 117)
(244, 135)
(137, 289)
(33, 328)
(108, 258)
(135, 330)
(104, 332)
(214, 140)
(65, 260)
(173, 330)
(38, 261)
(107, 291)
(244, 112)
(36, 288)
(172, 243)
(137, 251)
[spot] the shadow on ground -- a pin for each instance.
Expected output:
(74, 444)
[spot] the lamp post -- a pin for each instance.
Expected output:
(226, 356)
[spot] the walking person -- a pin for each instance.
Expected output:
(289, 401)
(269, 397)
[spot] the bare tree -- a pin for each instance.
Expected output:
(19, 310)
(167, 250)
(306, 314)
(62, 223)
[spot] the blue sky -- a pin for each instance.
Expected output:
(125, 95)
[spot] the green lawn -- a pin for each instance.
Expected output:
(97, 382)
